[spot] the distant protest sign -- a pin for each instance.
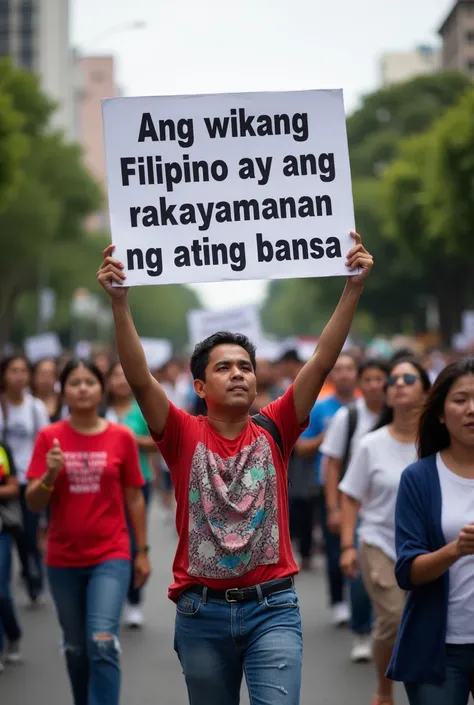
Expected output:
(244, 319)
(233, 186)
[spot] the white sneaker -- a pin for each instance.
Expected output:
(361, 651)
(14, 655)
(134, 617)
(341, 614)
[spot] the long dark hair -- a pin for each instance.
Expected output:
(386, 416)
(73, 365)
(5, 364)
(109, 399)
(433, 436)
(35, 369)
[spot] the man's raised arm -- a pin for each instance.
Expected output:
(310, 380)
(146, 390)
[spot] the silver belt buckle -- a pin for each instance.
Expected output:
(226, 594)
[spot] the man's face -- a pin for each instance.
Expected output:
(344, 375)
(372, 385)
(230, 379)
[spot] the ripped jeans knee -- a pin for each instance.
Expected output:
(103, 646)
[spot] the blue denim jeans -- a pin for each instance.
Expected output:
(459, 681)
(135, 594)
(28, 551)
(361, 607)
(89, 604)
(9, 625)
(217, 643)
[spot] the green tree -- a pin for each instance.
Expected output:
(54, 195)
(395, 294)
(12, 147)
(429, 197)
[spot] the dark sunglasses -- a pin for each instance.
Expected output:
(408, 379)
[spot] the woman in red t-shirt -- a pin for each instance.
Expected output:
(86, 469)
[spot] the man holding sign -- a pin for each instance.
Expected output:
(237, 609)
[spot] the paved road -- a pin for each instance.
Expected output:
(152, 675)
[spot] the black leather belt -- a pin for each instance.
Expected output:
(246, 593)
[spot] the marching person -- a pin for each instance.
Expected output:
(22, 416)
(434, 654)
(236, 607)
(44, 381)
(86, 469)
(345, 431)
(122, 408)
(10, 518)
(369, 490)
(344, 379)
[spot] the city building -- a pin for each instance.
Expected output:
(457, 32)
(97, 81)
(396, 67)
(35, 34)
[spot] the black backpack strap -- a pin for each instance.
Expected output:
(271, 427)
(352, 423)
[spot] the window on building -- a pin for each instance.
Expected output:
(27, 18)
(5, 15)
(470, 65)
(27, 58)
(4, 46)
(470, 36)
(97, 76)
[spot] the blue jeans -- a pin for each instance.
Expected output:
(135, 594)
(28, 551)
(89, 604)
(459, 681)
(361, 607)
(9, 625)
(218, 642)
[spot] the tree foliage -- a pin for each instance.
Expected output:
(395, 295)
(429, 199)
(42, 225)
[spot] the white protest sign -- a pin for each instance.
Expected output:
(229, 187)
(40, 346)
(468, 324)
(157, 352)
(245, 320)
(83, 349)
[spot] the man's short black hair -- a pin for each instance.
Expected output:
(202, 351)
(373, 363)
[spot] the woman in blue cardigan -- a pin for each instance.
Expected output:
(434, 653)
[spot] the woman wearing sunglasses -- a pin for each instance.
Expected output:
(434, 654)
(370, 487)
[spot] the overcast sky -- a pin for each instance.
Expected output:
(205, 46)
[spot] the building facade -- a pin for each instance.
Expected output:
(35, 34)
(97, 81)
(457, 32)
(396, 67)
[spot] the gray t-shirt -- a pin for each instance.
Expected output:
(23, 423)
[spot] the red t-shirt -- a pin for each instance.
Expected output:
(232, 499)
(87, 519)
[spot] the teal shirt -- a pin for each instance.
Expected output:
(135, 421)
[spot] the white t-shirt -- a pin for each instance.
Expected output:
(334, 444)
(372, 478)
(457, 495)
(23, 423)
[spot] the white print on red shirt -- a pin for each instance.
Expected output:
(84, 471)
